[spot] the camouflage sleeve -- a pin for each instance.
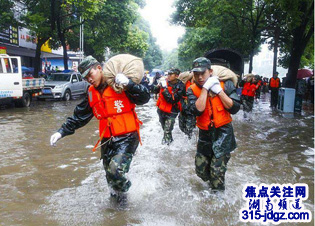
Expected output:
(156, 89)
(137, 93)
(177, 93)
(230, 90)
(192, 103)
(81, 116)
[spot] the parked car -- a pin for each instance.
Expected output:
(64, 85)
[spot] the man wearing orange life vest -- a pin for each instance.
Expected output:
(248, 94)
(216, 137)
(274, 85)
(170, 93)
(118, 122)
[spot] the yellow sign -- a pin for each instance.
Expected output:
(46, 48)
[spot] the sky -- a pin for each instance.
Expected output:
(157, 13)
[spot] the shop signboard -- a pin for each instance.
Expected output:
(10, 36)
(26, 40)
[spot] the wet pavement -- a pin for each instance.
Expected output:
(65, 185)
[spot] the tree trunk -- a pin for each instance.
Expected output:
(62, 39)
(301, 37)
(275, 50)
(250, 69)
(297, 50)
(65, 53)
(37, 64)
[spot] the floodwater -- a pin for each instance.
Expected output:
(65, 185)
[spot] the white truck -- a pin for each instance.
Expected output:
(13, 87)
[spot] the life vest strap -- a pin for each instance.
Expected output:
(139, 122)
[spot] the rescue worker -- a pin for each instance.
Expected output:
(212, 101)
(248, 94)
(168, 103)
(155, 82)
(118, 121)
(186, 120)
(274, 85)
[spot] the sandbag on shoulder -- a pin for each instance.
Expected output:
(224, 73)
(249, 77)
(129, 65)
(185, 76)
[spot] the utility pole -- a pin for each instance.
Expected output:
(81, 40)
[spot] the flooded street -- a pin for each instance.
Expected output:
(65, 185)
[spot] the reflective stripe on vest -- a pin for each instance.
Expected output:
(214, 112)
(118, 112)
(274, 83)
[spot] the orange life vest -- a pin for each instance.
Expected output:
(187, 85)
(115, 111)
(274, 83)
(249, 89)
(214, 113)
(165, 106)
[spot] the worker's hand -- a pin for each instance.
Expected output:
(163, 83)
(54, 138)
(210, 82)
(121, 79)
(216, 88)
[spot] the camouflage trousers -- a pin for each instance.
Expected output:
(167, 121)
(168, 127)
(187, 123)
(212, 169)
(117, 156)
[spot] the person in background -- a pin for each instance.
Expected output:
(145, 81)
(170, 92)
(212, 101)
(265, 88)
(155, 83)
(274, 85)
(118, 122)
(248, 94)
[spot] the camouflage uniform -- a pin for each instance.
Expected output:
(117, 156)
(167, 120)
(186, 120)
(215, 144)
(117, 153)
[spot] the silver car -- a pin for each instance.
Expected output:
(64, 86)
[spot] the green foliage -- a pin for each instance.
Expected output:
(108, 28)
(6, 14)
(233, 24)
(170, 60)
(153, 56)
(136, 43)
(195, 43)
(37, 19)
(297, 22)
(307, 59)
